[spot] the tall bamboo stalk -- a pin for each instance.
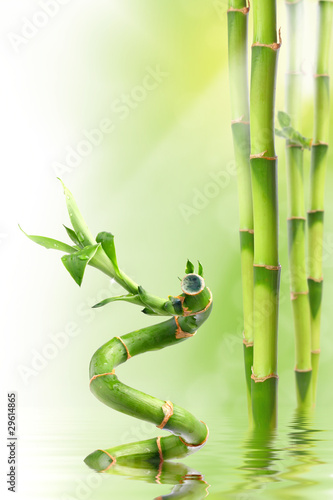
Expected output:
(318, 170)
(265, 208)
(296, 207)
(239, 97)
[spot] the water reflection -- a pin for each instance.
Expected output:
(188, 483)
(261, 461)
(268, 460)
(303, 441)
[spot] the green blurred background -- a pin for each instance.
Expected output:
(152, 183)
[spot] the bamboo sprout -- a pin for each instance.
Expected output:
(188, 311)
(265, 209)
(296, 207)
(239, 96)
(319, 155)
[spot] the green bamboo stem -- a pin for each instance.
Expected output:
(265, 208)
(188, 312)
(319, 156)
(296, 208)
(188, 431)
(239, 98)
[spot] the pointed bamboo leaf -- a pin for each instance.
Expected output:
(80, 227)
(298, 138)
(280, 133)
(77, 262)
(284, 119)
(200, 269)
(73, 236)
(189, 267)
(149, 312)
(49, 243)
(133, 299)
(107, 241)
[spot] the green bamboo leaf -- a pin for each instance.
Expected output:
(189, 267)
(107, 241)
(280, 133)
(80, 227)
(200, 269)
(133, 299)
(284, 119)
(149, 312)
(73, 236)
(298, 138)
(77, 262)
(49, 243)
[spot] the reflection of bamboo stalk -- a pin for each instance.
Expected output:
(317, 184)
(265, 210)
(259, 464)
(302, 444)
(296, 208)
(188, 482)
(239, 97)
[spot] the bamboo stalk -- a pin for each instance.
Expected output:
(188, 311)
(319, 156)
(239, 97)
(296, 208)
(265, 208)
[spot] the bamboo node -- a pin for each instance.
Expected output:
(251, 231)
(269, 268)
(240, 120)
(262, 155)
(318, 210)
(159, 447)
(295, 217)
(263, 379)
(243, 10)
(317, 280)
(101, 375)
(273, 46)
(316, 351)
(127, 351)
(112, 458)
(321, 75)
(294, 295)
(168, 412)
(180, 334)
(319, 143)
(196, 445)
(248, 343)
(298, 370)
